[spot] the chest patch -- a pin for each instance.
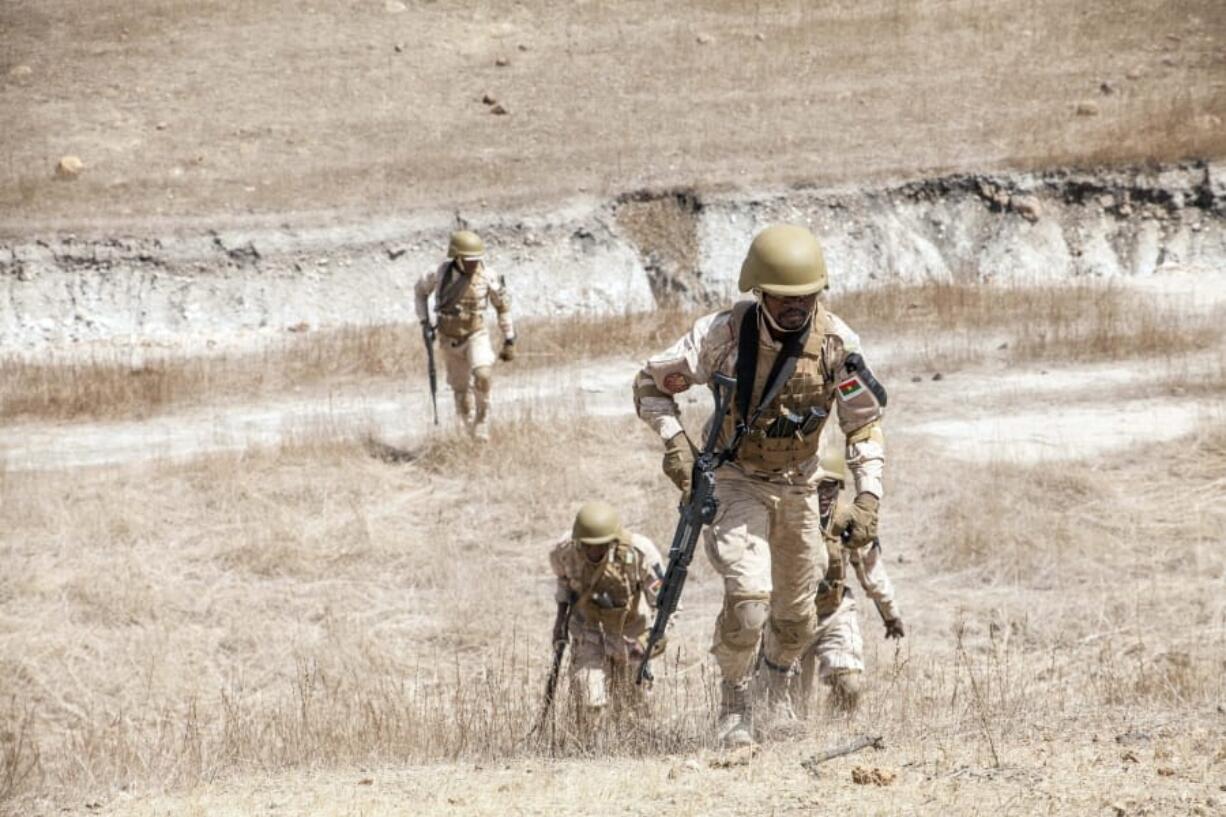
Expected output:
(675, 382)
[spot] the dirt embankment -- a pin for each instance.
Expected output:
(600, 257)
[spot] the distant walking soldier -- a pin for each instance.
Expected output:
(794, 362)
(463, 290)
(837, 655)
(607, 580)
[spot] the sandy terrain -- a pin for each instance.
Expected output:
(221, 110)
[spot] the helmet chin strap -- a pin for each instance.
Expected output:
(770, 319)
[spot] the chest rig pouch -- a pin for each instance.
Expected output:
(612, 593)
(783, 430)
(460, 302)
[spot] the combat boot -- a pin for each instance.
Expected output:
(735, 726)
(779, 721)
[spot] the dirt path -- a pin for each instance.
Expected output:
(978, 413)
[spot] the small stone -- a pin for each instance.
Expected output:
(499, 110)
(502, 62)
(1106, 201)
(874, 776)
(398, 48)
(938, 376)
(522, 47)
(704, 39)
(1133, 73)
(1169, 62)
(1087, 108)
(69, 167)
(161, 126)
(1002, 347)
(365, 781)
(1125, 209)
(20, 71)
(1028, 207)
(917, 379)
(1106, 88)
(760, 37)
(394, 6)
(1166, 771)
(488, 99)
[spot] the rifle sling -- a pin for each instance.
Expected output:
(747, 370)
(450, 289)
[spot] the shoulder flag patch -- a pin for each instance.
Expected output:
(850, 387)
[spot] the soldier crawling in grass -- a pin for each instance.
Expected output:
(793, 362)
(463, 290)
(607, 582)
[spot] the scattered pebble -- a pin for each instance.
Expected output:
(1133, 73)
(522, 47)
(760, 37)
(1169, 62)
(1106, 88)
(1087, 108)
(489, 99)
(1106, 201)
(704, 39)
(161, 126)
(502, 62)
(938, 376)
(394, 6)
(499, 110)
(69, 167)
(917, 379)
(874, 776)
(398, 48)
(20, 71)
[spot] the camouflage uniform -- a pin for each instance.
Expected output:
(460, 302)
(612, 602)
(766, 541)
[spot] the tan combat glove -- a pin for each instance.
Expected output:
(679, 461)
(894, 628)
(508, 350)
(859, 519)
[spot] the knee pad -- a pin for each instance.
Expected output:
(483, 379)
(793, 635)
(742, 619)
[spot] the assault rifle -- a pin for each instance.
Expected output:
(427, 334)
(561, 634)
(696, 511)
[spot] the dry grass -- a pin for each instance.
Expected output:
(934, 324)
(119, 386)
(1084, 321)
(319, 607)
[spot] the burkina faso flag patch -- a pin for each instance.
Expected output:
(850, 387)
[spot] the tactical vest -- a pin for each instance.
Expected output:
(787, 430)
(460, 301)
(611, 597)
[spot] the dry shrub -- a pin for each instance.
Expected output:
(1065, 321)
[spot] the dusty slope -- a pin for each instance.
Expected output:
(223, 108)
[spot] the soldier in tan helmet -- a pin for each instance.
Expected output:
(607, 581)
(463, 290)
(794, 362)
(836, 657)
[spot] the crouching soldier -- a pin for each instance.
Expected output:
(836, 657)
(607, 581)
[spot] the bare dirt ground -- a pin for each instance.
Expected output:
(291, 110)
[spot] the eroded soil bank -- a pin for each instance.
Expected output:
(599, 257)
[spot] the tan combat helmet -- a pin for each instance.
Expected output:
(596, 524)
(465, 244)
(784, 259)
